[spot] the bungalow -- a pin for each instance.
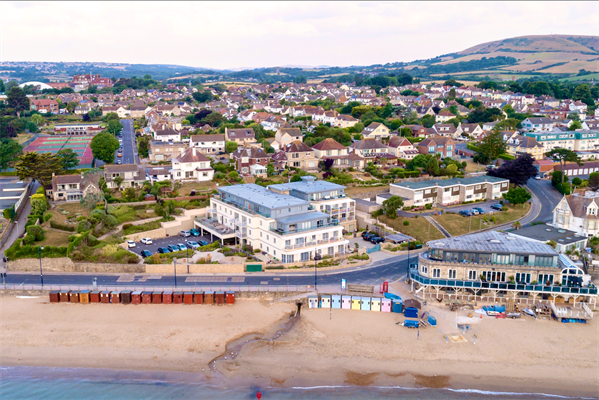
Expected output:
(133, 175)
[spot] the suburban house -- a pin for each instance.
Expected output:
(240, 136)
(402, 148)
(167, 135)
(375, 130)
(344, 121)
(71, 187)
(418, 130)
(208, 144)
(538, 124)
(444, 116)
(133, 175)
(578, 212)
(450, 191)
(158, 174)
(164, 151)
(192, 165)
(447, 130)
(341, 156)
(250, 161)
(286, 135)
(371, 148)
(473, 130)
(517, 145)
(300, 155)
(44, 106)
(138, 111)
(445, 146)
(121, 111)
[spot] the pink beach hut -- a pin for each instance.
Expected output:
(346, 302)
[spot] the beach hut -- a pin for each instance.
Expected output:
(325, 301)
(105, 297)
(198, 297)
(167, 297)
(94, 296)
(346, 302)
(375, 304)
(54, 296)
(365, 304)
(64, 296)
(74, 296)
(230, 297)
(126, 297)
(156, 297)
(188, 298)
(84, 296)
(178, 297)
(209, 297)
(136, 297)
(335, 301)
(219, 298)
(115, 297)
(385, 305)
(397, 306)
(411, 312)
(356, 303)
(313, 301)
(146, 297)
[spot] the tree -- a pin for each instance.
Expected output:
(40, 167)
(103, 146)
(143, 146)
(594, 180)
(518, 171)
(230, 147)
(582, 92)
(114, 127)
(391, 205)
(203, 97)
(299, 79)
(118, 181)
(517, 225)
(576, 181)
(432, 167)
(2, 87)
(68, 158)
(37, 119)
(451, 169)
(327, 164)
(562, 156)
(18, 100)
(575, 125)
(10, 150)
(517, 195)
(491, 147)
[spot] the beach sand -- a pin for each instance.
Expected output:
(337, 347)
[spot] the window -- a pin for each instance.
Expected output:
(305, 256)
(544, 261)
(468, 257)
(546, 279)
(522, 277)
(502, 259)
(472, 275)
(452, 274)
(424, 269)
(521, 260)
(436, 272)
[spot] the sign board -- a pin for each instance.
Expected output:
(343, 284)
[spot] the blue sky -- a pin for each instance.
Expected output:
(261, 34)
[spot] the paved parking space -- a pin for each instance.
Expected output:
(156, 243)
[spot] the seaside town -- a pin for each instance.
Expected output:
(247, 227)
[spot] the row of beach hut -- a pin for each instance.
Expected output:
(142, 297)
(356, 303)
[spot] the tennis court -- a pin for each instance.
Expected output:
(52, 144)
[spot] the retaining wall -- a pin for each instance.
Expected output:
(194, 268)
(65, 264)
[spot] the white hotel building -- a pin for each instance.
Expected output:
(286, 227)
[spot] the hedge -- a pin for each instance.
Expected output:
(17, 250)
(57, 225)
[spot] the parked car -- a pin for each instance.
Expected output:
(119, 155)
(193, 245)
(164, 250)
(466, 213)
(146, 241)
(497, 206)
(194, 232)
(377, 240)
(182, 246)
(538, 178)
(474, 211)
(173, 247)
(130, 243)
(118, 162)
(184, 233)
(480, 210)
(145, 253)
(202, 243)
(368, 235)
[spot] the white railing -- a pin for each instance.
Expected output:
(181, 285)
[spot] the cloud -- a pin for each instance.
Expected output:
(257, 34)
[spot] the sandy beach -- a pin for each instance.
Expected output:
(337, 347)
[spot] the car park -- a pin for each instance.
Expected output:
(173, 247)
(145, 253)
(164, 250)
(480, 210)
(193, 245)
(194, 231)
(130, 243)
(497, 206)
(182, 246)
(184, 234)
(146, 241)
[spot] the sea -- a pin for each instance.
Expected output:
(22, 383)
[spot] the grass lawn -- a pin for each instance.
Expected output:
(187, 187)
(365, 189)
(474, 167)
(457, 225)
(54, 238)
(23, 137)
(148, 226)
(418, 228)
(71, 208)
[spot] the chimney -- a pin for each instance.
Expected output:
(193, 151)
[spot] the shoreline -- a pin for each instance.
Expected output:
(326, 348)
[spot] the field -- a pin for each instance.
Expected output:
(419, 228)
(365, 189)
(187, 187)
(457, 225)
(585, 77)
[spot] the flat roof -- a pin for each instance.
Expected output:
(545, 233)
(363, 202)
(451, 182)
(305, 187)
(302, 217)
(492, 242)
(260, 195)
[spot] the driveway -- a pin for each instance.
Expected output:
(486, 206)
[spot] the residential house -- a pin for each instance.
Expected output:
(133, 175)
(345, 121)
(445, 146)
(121, 111)
(165, 151)
(341, 156)
(250, 161)
(370, 149)
(473, 130)
(375, 130)
(167, 135)
(402, 148)
(71, 187)
(137, 111)
(538, 124)
(447, 130)
(192, 165)
(300, 155)
(578, 212)
(208, 144)
(286, 135)
(519, 145)
(444, 116)
(417, 130)
(240, 136)
(44, 106)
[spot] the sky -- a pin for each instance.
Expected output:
(233, 35)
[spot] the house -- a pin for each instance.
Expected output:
(158, 174)
(240, 136)
(300, 155)
(137, 111)
(375, 130)
(344, 121)
(71, 187)
(208, 144)
(133, 175)
(44, 106)
(444, 146)
(564, 240)
(371, 148)
(518, 145)
(121, 111)
(578, 212)
(192, 165)
(402, 148)
(417, 130)
(341, 156)
(444, 116)
(286, 135)
(167, 135)
(164, 151)
(473, 130)
(538, 124)
(447, 130)
(544, 166)
(250, 161)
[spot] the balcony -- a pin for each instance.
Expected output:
(313, 243)
(294, 231)
(214, 225)
(249, 211)
(241, 234)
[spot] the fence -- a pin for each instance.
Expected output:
(180, 286)
(377, 247)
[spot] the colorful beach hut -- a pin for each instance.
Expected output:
(219, 297)
(397, 306)
(325, 301)
(115, 297)
(188, 298)
(64, 296)
(346, 302)
(54, 296)
(313, 301)
(84, 296)
(105, 297)
(365, 304)
(94, 296)
(375, 304)
(74, 296)
(167, 297)
(136, 297)
(146, 297)
(198, 297)
(209, 297)
(156, 297)
(335, 301)
(125, 297)
(385, 305)
(411, 312)
(178, 297)
(230, 297)
(356, 303)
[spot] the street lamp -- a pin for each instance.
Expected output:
(187, 245)
(175, 268)
(41, 273)
(316, 258)
(408, 256)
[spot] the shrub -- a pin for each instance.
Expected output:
(41, 190)
(28, 239)
(72, 237)
(62, 227)
(36, 232)
(406, 223)
(47, 216)
(83, 226)
(127, 226)
(428, 206)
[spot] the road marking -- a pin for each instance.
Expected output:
(264, 282)
(215, 279)
(276, 279)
